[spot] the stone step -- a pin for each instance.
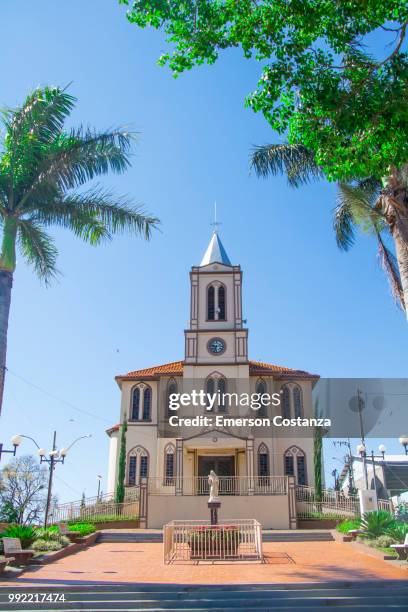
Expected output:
(289, 536)
(223, 598)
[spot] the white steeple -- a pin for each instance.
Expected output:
(215, 252)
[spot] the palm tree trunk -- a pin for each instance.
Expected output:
(401, 250)
(6, 283)
(396, 210)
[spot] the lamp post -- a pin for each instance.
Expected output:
(382, 448)
(54, 457)
(404, 441)
(16, 441)
(99, 487)
(375, 480)
(361, 449)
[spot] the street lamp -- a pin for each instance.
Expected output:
(404, 441)
(54, 457)
(16, 441)
(361, 449)
(99, 487)
(382, 448)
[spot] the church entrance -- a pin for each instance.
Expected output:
(224, 467)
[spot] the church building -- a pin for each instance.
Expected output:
(256, 465)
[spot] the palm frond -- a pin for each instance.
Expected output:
(76, 158)
(390, 266)
(38, 248)
(344, 223)
(115, 214)
(294, 160)
(40, 118)
(84, 225)
(355, 205)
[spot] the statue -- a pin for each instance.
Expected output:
(214, 484)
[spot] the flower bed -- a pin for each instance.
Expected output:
(199, 541)
(208, 541)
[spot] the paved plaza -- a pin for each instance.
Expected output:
(285, 562)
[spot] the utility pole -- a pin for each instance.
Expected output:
(363, 454)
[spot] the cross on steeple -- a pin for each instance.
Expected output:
(216, 223)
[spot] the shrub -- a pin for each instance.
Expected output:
(49, 534)
(104, 518)
(206, 541)
(384, 541)
(398, 532)
(42, 545)
(25, 533)
(377, 523)
(83, 528)
(348, 525)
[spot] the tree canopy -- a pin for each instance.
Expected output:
(325, 83)
(23, 485)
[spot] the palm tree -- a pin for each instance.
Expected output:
(41, 168)
(377, 206)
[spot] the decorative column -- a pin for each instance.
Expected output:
(292, 502)
(143, 504)
(250, 464)
(179, 466)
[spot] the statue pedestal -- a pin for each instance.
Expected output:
(214, 507)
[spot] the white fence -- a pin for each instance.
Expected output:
(100, 511)
(228, 485)
(191, 541)
(332, 503)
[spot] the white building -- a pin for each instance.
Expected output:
(253, 463)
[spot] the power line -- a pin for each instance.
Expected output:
(58, 399)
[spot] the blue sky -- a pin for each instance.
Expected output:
(124, 305)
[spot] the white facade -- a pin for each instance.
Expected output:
(216, 355)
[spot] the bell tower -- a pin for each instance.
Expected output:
(216, 333)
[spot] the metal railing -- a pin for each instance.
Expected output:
(100, 511)
(192, 541)
(228, 485)
(331, 504)
(385, 504)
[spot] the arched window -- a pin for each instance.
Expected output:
(211, 303)
(221, 303)
(169, 464)
(210, 390)
(263, 460)
(171, 388)
(216, 385)
(135, 404)
(295, 464)
(147, 404)
(221, 388)
(261, 390)
(297, 401)
(138, 465)
(141, 406)
(216, 302)
(285, 395)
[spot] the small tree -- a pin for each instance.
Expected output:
(23, 484)
(317, 457)
(120, 486)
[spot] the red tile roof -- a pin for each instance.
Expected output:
(112, 429)
(176, 368)
(260, 367)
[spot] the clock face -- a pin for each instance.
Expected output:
(216, 346)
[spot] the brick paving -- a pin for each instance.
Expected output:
(286, 562)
